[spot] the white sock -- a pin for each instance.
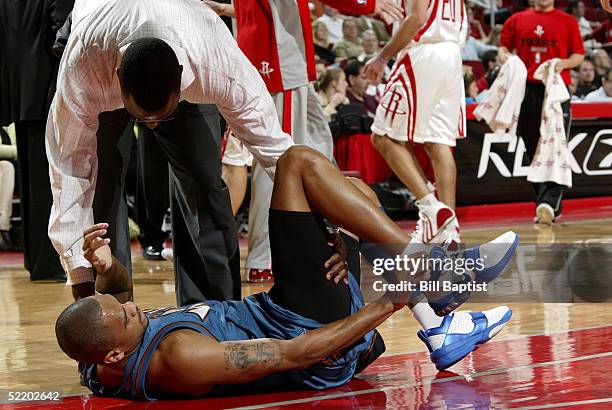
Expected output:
(426, 316)
(428, 199)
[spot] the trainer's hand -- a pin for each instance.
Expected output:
(96, 249)
(388, 11)
(336, 265)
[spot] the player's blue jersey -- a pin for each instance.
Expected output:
(256, 316)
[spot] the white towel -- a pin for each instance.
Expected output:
(502, 105)
(552, 158)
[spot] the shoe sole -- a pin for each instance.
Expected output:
(545, 216)
(459, 352)
(495, 271)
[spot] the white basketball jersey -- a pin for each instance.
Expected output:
(446, 22)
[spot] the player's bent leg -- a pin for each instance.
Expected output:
(306, 181)
(461, 332)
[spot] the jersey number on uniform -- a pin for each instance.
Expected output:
(449, 10)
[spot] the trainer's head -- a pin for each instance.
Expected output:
(99, 329)
(150, 79)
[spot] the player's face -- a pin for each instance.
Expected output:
(152, 119)
(125, 321)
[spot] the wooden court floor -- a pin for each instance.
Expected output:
(565, 334)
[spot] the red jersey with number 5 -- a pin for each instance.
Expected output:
(446, 22)
(539, 36)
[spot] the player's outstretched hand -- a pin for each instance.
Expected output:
(375, 68)
(336, 265)
(388, 11)
(96, 249)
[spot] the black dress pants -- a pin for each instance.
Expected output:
(40, 258)
(206, 255)
(528, 128)
(152, 195)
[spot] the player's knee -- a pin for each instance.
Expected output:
(367, 191)
(296, 158)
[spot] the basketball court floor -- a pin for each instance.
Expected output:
(550, 355)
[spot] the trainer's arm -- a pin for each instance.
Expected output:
(197, 362)
(236, 87)
(71, 151)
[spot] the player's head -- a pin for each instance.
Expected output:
(150, 80)
(544, 5)
(99, 329)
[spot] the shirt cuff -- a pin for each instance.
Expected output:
(78, 270)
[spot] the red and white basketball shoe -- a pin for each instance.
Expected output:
(433, 219)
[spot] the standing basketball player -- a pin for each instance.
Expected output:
(424, 103)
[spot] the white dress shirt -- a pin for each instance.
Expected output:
(214, 71)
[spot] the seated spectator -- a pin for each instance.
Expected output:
(357, 86)
(474, 48)
(332, 91)
(601, 59)
(350, 45)
(603, 93)
(573, 86)
(365, 23)
(369, 42)
(495, 36)
(586, 74)
(471, 90)
(490, 77)
(7, 186)
(576, 9)
(476, 31)
(323, 48)
(333, 20)
(320, 67)
(490, 60)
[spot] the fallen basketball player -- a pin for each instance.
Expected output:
(308, 331)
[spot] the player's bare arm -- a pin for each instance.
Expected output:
(409, 27)
(112, 277)
(191, 363)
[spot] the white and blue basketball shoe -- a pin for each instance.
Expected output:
(460, 334)
(493, 256)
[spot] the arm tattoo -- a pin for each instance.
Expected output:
(266, 355)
